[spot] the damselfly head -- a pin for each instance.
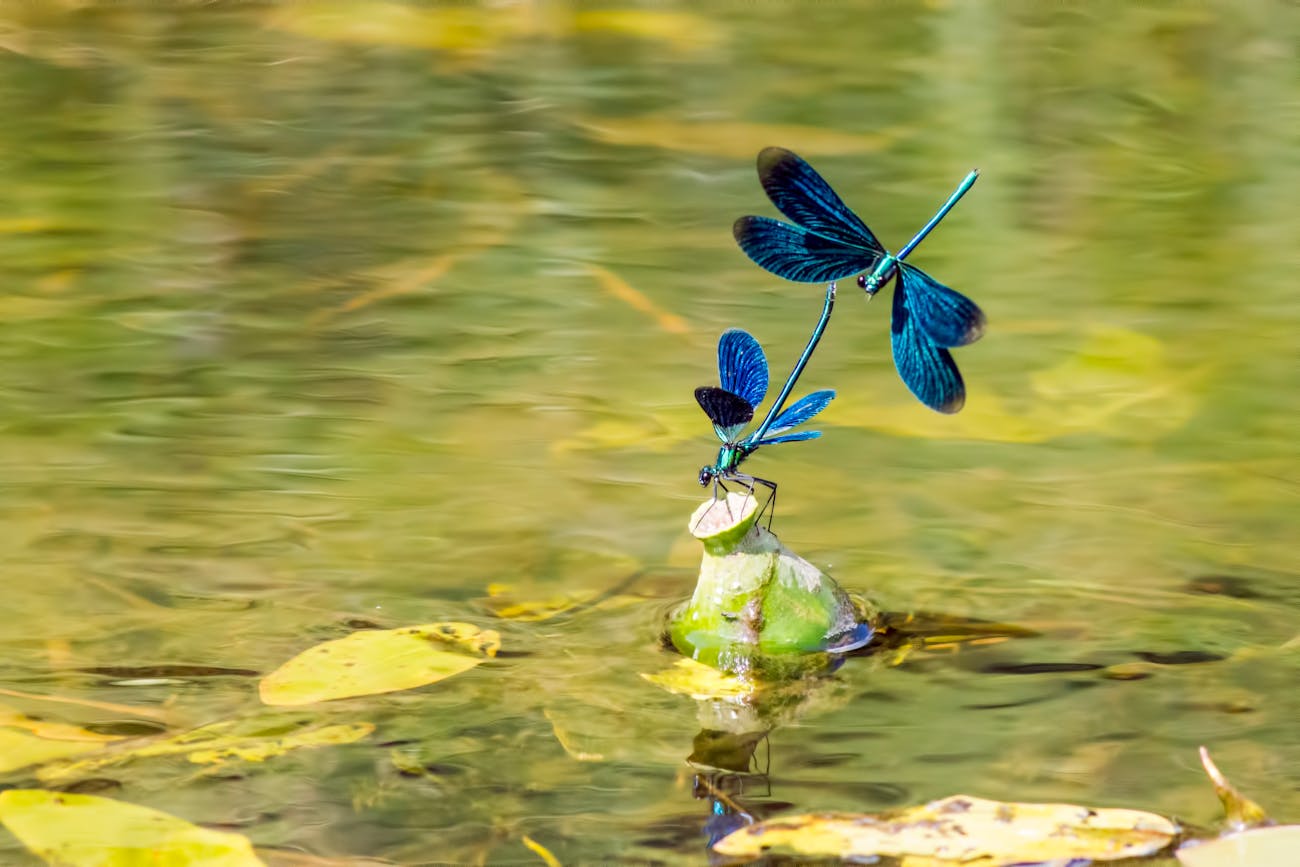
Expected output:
(868, 284)
(706, 476)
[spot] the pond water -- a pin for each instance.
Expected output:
(315, 319)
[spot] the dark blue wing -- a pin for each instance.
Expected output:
(728, 412)
(797, 254)
(947, 317)
(742, 366)
(800, 411)
(927, 370)
(789, 438)
(803, 196)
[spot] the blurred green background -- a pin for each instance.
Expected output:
(314, 315)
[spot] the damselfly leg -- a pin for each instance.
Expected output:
(720, 492)
(748, 482)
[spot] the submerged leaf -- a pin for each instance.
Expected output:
(1119, 384)
(89, 831)
(1241, 811)
(27, 741)
(503, 601)
(541, 851)
(574, 742)
(286, 858)
(963, 830)
(473, 32)
(112, 707)
(657, 433)
(379, 660)
(18, 749)
(732, 139)
(419, 277)
(700, 681)
(637, 300)
(468, 29)
(681, 30)
(214, 744)
(53, 731)
(260, 751)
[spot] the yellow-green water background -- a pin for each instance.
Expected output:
(315, 313)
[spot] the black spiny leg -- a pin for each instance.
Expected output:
(748, 482)
(717, 484)
(771, 502)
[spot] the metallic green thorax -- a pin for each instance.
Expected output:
(729, 457)
(888, 265)
(879, 275)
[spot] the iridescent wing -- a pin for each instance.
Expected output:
(803, 196)
(742, 367)
(799, 254)
(790, 438)
(728, 412)
(927, 370)
(945, 316)
(800, 411)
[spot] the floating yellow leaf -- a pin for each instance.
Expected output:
(89, 831)
(1260, 847)
(249, 741)
(735, 139)
(699, 681)
(379, 660)
(962, 830)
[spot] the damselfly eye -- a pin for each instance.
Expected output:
(862, 281)
(706, 476)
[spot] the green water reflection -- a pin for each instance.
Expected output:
(311, 321)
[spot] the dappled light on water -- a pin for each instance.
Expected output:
(348, 441)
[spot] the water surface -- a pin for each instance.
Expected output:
(313, 321)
